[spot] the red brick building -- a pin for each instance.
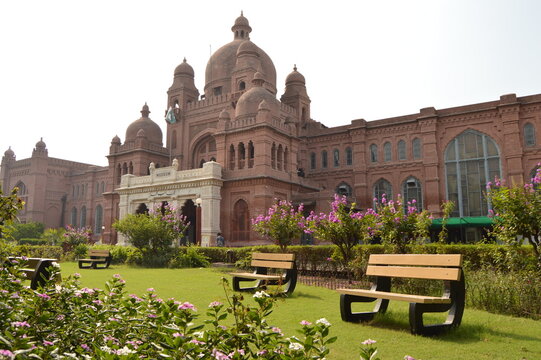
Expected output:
(269, 147)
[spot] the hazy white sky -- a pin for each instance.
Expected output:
(78, 72)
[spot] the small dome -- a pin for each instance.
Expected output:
(241, 20)
(116, 140)
(40, 145)
(9, 153)
(248, 48)
(295, 77)
(250, 101)
(184, 69)
(150, 128)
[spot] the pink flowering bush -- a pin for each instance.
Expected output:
(343, 226)
(70, 321)
(400, 224)
(516, 212)
(282, 223)
(76, 240)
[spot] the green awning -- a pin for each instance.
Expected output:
(469, 221)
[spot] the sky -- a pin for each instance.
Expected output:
(77, 73)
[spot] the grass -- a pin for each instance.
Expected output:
(482, 335)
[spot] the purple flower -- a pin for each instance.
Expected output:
(186, 305)
(44, 296)
(20, 324)
(7, 353)
(369, 342)
(305, 323)
(85, 347)
(47, 343)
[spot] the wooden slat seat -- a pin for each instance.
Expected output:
(36, 270)
(284, 272)
(442, 267)
(96, 257)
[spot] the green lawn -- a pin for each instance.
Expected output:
(481, 336)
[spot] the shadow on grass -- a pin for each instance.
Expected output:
(300, 294)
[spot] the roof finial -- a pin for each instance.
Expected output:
(241, 13)
(184, 59)
(295, 67)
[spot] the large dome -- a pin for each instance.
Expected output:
(151, 129)
(222, 63)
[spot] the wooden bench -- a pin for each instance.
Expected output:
(36, 270)
(96, 258)
(447, 268)
(284, 272)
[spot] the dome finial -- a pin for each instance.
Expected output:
(145, 111)
(241, 13)
(184, 59)
(295, 67)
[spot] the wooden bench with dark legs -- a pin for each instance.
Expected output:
(35, 269)
(284, 272)
(447, 268)
(98, 259)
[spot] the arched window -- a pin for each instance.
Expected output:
(130, 168)
(201, 163)
(99, 219)
(124, 169)
(382, 187)
(349, 156)
(242, 85)
(280, 157)
(273, 156)
(401, 150)
(324, 159)
(77, 191)
(251, 154)
(412, 193)
(416, 145)
(242, 155)
(374, 153)
(336, 157)
(118, 174)
(303, 114)
(231, 157)
(73, 220)
(344, 189)
(387, 152)
(82, 222)
(529, 135)
(22, 188)
(240, 222)
(141, 209)
(102, 187)
(471, 160)
(312, 161)
(286, 156)
(97, 188)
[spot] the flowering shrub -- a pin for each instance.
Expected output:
(343, 226)
(76, 239)
(399, 225)
(154, 233)
(282, 223)
(9, 207)
(517, 212)
(77, 322)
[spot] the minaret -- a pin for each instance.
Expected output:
(296, 96)
(183, 90)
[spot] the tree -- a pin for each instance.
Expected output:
(9, 207)
(400, 225)
(153, 232)
(31, 230)
(516, 212)
(343, 226)
(282, 223)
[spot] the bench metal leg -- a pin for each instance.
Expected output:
(382, 284)
(454, 317)
(289, 283)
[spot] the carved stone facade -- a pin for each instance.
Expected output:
(270, 148)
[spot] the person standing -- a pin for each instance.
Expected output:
(220, 241)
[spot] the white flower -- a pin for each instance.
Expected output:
(198, 334)
(55, 264)
(260, 294)
(105, 348)
(125, 351)
(323, 321)
(295, 346)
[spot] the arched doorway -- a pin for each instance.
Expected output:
(240, 223)
(188, 210)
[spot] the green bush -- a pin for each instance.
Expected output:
(40, 251)
(188, 257)
(31, 230)
(32, 241)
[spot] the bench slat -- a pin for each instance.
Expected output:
(104, 253)
(258, 276)
(395, 296)
(433, 273)
(273, 256)
(273, 264)
(416, 259)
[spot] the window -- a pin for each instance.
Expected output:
(411, 192)
(242, 155)
(382, 188)
(286, 156)
(97, 188)
(118, 174)
(349, 156)
(273, 156)
(344, 189)
(529, 135)
(231, 157)
(471, 160)
(217, 91)
(99, 219)
(124, 169)
(374, 153)
(102, 187)
(251, 154)
(280, 156)
(201, 163)
(242, 85)
(416, 145)
(312, 161)
(324, 159)
(401, 150)
(130, 168)
(73, 220)
(387, 154)
(22, 188)
(336, 157)
(82, 223)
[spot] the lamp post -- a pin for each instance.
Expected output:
(102, 231)
(198, 202)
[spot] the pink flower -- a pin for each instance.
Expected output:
(215, 304)
(20, 324)
(177, 334)
(47, 343)
(186, 305)
(44, 296)
(306, 323)
(369, 342)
